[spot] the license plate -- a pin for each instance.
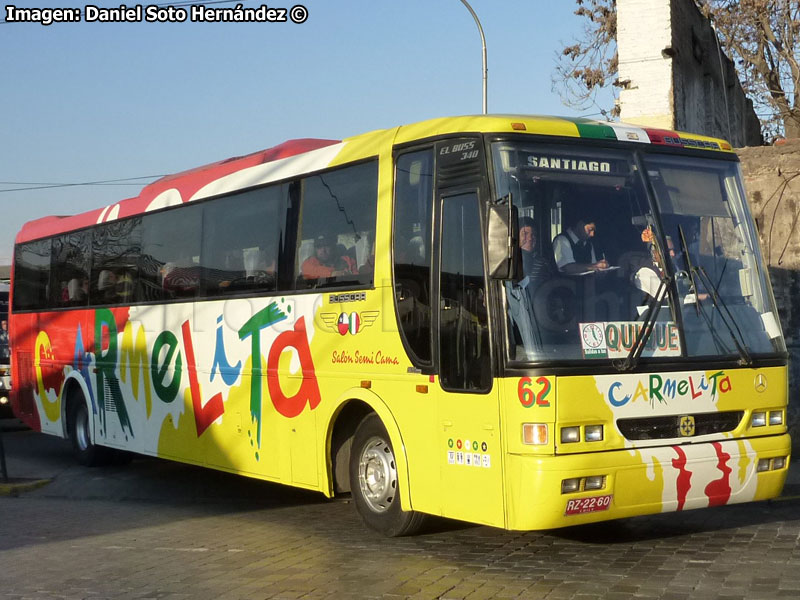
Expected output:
(579, 506)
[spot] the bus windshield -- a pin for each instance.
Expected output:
(602, 258)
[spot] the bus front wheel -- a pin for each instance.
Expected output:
(374, 481)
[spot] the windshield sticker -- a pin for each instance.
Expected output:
(615, 339)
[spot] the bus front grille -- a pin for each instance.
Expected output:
(660, 428)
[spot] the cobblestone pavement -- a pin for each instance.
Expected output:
(156, 529)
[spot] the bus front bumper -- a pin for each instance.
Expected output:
(549, 492)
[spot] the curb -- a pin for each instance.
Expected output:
(16, 487)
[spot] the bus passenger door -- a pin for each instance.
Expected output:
(468, 409)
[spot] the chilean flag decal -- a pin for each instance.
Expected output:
(349, 323)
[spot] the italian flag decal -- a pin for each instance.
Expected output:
(349, 323)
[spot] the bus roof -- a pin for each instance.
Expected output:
(296, 157)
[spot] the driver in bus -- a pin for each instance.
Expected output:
(326, 262)
(534, 265)
(574, 249)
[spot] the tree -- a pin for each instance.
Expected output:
(762, 37)
(591, 63)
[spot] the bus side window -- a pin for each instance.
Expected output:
(32, 274)
(70, 269)
(463, 322)
(413, 204)
(337, 211)
(242, 243)
(170, 255)
(116, 250)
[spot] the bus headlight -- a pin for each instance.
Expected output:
(535, 434)
(569, 486)
(593, 433)
(3, 400)
(570, 435)
(596, 482)
(776, 417)
(759, 419)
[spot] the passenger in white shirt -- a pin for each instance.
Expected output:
(574, 251)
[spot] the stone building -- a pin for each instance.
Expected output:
(675, 76)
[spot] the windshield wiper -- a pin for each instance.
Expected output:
(653, 308)
(744, 356)
(689, 266)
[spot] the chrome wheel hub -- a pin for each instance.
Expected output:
(377, 475)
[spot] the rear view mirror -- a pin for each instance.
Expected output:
(502, 243)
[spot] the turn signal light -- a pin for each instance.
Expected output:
(535, 434)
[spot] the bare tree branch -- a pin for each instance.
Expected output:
(762, 37)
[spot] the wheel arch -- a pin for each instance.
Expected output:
(351, 409)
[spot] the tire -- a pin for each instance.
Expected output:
(85, 450)
(374, 482)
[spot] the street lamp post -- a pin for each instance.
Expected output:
(483, 43)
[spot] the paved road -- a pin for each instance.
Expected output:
(155, 529)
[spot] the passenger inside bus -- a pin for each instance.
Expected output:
(574, 248)
(106, 286)
(328, 260)
(78, 290)
(521, 295)
(534, 265)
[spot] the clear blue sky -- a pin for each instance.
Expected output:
(98, 101)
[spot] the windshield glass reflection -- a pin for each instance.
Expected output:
(593, 257)
(724, 298)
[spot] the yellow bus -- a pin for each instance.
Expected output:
(525, 322)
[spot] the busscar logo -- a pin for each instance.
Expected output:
(352, 323)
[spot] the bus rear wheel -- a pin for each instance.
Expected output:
(86, 451)
(374, 482)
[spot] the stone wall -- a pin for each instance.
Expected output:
(772, 179)
(675, 76)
